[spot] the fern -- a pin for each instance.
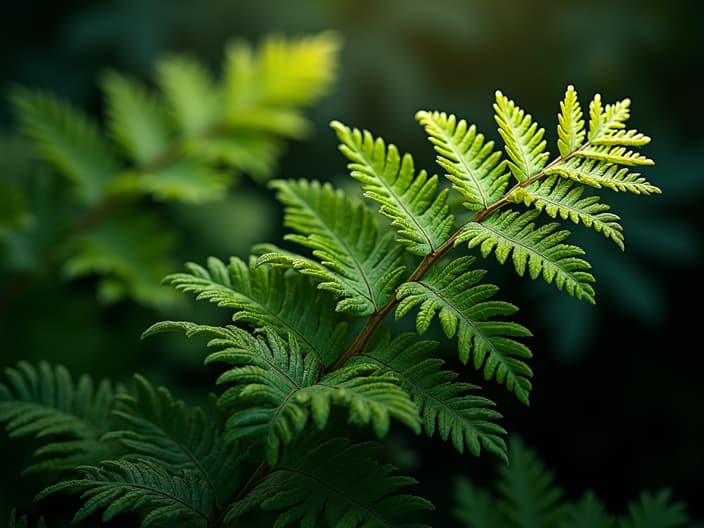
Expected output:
(22, 522)
(528, 497)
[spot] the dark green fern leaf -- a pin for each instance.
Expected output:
(529, 496)
(475, 507)
(446, 406)
(588, 512)
(418, 212)
(265, 297)
(523, 139)
(67, 139)
(22, 522)
(561, 197)
(463, 306)
(140, 485)
(474, 168)
(538, 249)
(356, 263)
(69, 417)
(655, 510)
(334, 483)
(152, 424)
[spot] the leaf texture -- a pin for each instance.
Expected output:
(418, 212)
(464, 307)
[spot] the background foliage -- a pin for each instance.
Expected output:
(618, 392)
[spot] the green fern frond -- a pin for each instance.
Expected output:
(150, 423)
(137, 119)
(604, 121)
(193, 99)
(356, 263)
(464, 308)
(618, 155)
(570, 128)
(67, 139)
(588, 512)
(655, 510)
(561, 197)
(69, 417)
(265, 88)
(538, 249)
(523, 139)
(335, 483)
(475, 507)
(603, 174)
(265, 297)
(529, 496)
(142, 486)
(22, 522)
(474, 168)
(418, 212)
(446, 406)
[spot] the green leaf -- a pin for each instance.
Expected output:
(21, 522)
(474, 168)
(463, 306)
(69, 417)
(67, 139)
(193, 99)
(137, 119)
(265, 297)
(123, 486)
(419, 214)
(524, 141)
(655, 510)
(529, 496)
(13, 208)
(560, 197)
(354, 262)
(334, 483)
(603, 174)
(588, 512)
(447, 407)
(538, 249)
(570, 128)
(150, 423)
(474, 506)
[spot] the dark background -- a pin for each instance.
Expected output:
(617, 404)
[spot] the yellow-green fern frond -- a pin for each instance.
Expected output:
(570, 128)
(474, 168)
(418, 212)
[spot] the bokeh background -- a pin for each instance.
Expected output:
(618, 398)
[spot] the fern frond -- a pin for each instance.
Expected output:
(446, 406)
(152, 424)
(464, 308)
(475, 507)
(418, 212)
(137, 119)
(45, 402)
(194, 101)
(356, 264)
(142, 486)
(336, 483)
(588, 512)
(22, 522)
(655, 510)
(570, 128)
(603, 174)
(538, 249)
(265, 297)
(560, 197)
(604, 121)
(67, 139)
(614, 154)
(474, 168)
(523, 139)
(265, 88)
(529, 496)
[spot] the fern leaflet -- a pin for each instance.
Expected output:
(655, 510)
(355, 262)
(538, 249)
(336, 483)
(464, 309)
(420, 214)
(570, 128)
(588, 512)
(474, 168)
(446, 406)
